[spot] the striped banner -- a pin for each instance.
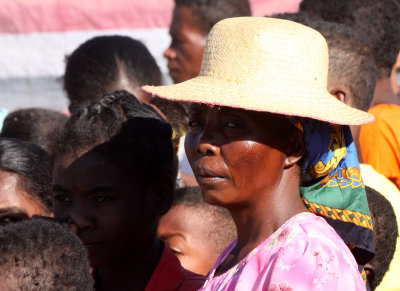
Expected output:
(36, 35)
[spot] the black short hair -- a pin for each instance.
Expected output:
(37, 125)
(41, 255)
(328, 10)
(99, 63)
(221, 227)
(351, 62)
(385, 233)
(378, 21)
(127, 133)
(32, 165)
(209, 12)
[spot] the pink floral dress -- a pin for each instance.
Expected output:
(305, 253)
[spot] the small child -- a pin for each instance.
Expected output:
(196, 232)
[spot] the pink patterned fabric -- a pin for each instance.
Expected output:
(305, 253)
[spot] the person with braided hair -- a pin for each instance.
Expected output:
(114, 172)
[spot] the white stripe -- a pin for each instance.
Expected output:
(32, 64)
(42, 54)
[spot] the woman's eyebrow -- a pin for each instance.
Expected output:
(11, 209)
(59, 188)
(98, 188)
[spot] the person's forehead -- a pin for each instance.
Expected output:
(11, 193)
(85, 170)
(186, 219)
(184, 18)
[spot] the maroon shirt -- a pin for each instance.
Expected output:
(170, 275)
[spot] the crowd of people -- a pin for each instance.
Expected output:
(290, 124)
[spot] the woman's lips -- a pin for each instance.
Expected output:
(206, 176)
(203, 180)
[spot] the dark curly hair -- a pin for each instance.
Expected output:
(104, 61)
(36, 125)
(32, 165)
(351, 62)
(42, 255)
(209, 12)
(378, 21)
(385, 232)
(127, 133)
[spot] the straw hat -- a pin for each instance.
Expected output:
(265, 64)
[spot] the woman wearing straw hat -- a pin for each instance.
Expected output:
(261, 124)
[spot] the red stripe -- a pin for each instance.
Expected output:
(27, 16)
(263, 7)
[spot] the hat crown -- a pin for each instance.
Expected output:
(265, 52)
(265, 64)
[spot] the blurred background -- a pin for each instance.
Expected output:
(36, 35)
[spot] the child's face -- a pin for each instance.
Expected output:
(112, 217)
(184, 229)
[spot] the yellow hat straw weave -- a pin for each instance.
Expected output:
(265, 64)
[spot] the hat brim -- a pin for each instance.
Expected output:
(316, 104)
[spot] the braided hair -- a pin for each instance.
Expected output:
(127, 133)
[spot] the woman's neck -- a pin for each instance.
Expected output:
(131, 272)
(258, 220)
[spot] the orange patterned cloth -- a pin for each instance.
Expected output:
(380, 141)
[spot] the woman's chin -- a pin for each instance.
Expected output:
(214, 197)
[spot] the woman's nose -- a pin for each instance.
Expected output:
(170, 53)
(207, 144)
(80, 216)
(207, 149)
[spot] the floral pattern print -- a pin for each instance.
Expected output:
(303, 254)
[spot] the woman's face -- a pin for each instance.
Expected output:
(16, 203)
(236, 155)
(112, 216)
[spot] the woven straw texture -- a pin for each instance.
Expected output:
(265, 64)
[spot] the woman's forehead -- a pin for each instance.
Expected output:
(261, 116)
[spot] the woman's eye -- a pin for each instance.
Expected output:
(232, 124)
(62, 198)
(102, 199)
(194, 123)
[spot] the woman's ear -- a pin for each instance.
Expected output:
(297, 149)
(341, 94)
(370, 272)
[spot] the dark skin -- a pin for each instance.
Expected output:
(115, 219)
(185, 52)
(247, 162)
(384, 93)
